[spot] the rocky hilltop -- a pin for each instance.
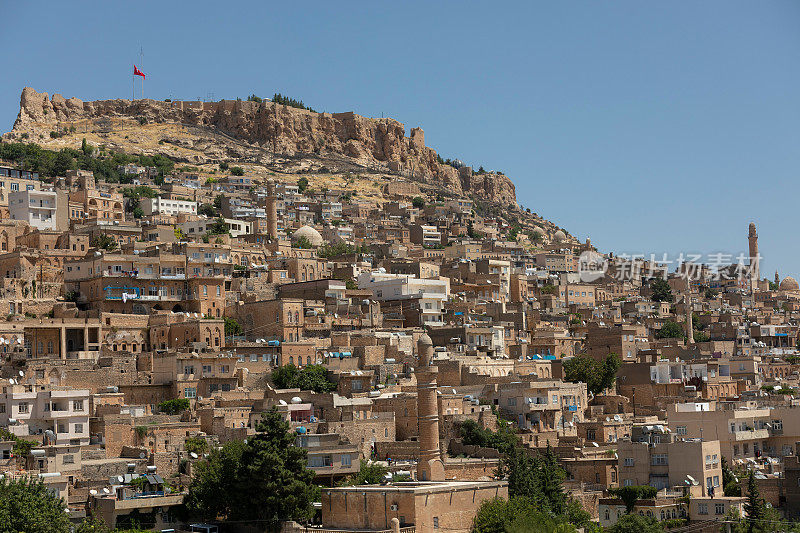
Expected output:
(270, 128)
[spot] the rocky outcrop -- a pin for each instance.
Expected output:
(375, 143)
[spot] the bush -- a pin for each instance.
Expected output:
(197, 445)
(174, 406)
(278, 98)
(310, 377)
(237, 171)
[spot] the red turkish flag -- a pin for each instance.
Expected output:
(137, 72)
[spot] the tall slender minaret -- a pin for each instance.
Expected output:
(752, 239)
(272, 211)
(687, 301)
(430, 466)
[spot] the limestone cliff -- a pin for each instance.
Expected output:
(373, 143)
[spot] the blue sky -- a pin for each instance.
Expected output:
(650, 127)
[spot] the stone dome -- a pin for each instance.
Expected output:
(559, 236)
(789, 284)
(309, 233)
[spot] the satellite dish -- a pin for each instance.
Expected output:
(21, 373)
(282, 402)
(193, 455)
(105, 489)
(141, 455)
(93, 492)
(120, 479)
(11, 381)
(595, 445)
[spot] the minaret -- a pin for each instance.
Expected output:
(430, 466)
(272, 212)
(687, 300)
(752, 239)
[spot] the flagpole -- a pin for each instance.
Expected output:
(141, 60)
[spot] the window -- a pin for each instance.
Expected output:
(78, 428)
(347, 460)
(702, 508)
(77, 405)
(629, 461)
(69, 459)
(23, 407)
(719, 508)
(659, 459)
(628, 483)
(681, 430)
(190, 392)
(435, 522)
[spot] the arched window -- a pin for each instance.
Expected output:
(49, 346)
(291, 360)
(296, 317)
(608, 515)
(289, 317)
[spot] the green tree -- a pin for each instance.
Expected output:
(538, 479)
(418, 202)
(670, 330)
(86, 148)
(634, 523)
(369, 473)
(27, 505)
(302, 184)
(661, 291)
(264, 480)
(598, 375)
(198, 445)
(232, 327)
(504, 439)
(104, 242)
(218, 227)
(211, 492)
(310, 377)
(174, 406)
(730, 483)
(237, 171)
(755, 506)
(207, 210)
(517, 515)
(304, 243)
(633, 493)
(274, 483)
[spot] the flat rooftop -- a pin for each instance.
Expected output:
(422, 487)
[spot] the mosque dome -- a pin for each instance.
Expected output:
(309, 233)
(789, 284)
(538, 231)
(559, 236)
